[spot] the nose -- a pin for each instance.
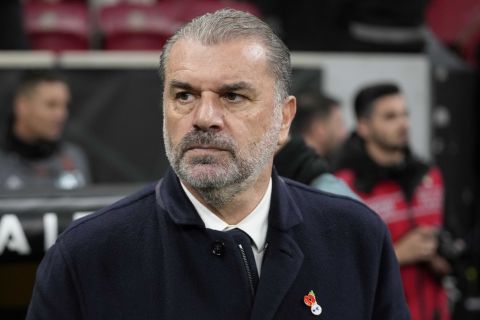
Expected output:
(63, 112)
(208, 113)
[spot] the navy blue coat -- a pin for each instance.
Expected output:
(150, 256)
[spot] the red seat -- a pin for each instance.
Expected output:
(129, 26)
(55, 1)
(57, 26)
(449, 18)
(456, 23)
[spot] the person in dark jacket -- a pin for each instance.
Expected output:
(317, 132)
(33, 153)
(405, 191)
(222, 236)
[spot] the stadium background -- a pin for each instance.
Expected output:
(116, 103)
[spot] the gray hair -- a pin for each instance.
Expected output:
(228, 24)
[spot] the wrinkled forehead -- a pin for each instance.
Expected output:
(210, 67)
(237, 49)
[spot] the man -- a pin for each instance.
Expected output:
(319, 121)
(222, 236)
(407, 193)
(33, 154)
(318, 130)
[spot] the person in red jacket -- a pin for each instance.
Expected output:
(407, 193)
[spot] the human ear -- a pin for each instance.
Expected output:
(362, 128)
(20, 106)
(289, 108)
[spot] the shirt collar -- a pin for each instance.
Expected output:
(254, 224)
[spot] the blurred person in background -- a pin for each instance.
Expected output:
(377, 164)
(317, 132)
(32, 152)
(319, 121)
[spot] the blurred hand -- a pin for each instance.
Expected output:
(418, 245)
(440, 266)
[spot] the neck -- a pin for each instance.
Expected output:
(241, 203)
(28, 148)
(383, 156)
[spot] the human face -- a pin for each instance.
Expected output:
(41, 114)
(222, 122)
(387, 127)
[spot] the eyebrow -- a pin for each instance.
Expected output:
(236, 86)
(175, 84)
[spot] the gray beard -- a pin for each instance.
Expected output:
(220, 189)
(232, 176)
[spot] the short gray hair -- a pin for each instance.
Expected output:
(228, 24)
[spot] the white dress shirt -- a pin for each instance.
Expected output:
(255, 224)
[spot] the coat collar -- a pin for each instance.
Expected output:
(283, 257)
(171, 197)
(283, 215)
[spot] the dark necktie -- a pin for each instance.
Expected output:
(244, 243)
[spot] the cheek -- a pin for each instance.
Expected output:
(176, 125)
(261, 127)
(392, 128)
(245, 126)
(339, 132)
(42, 119)
(46, 115)
(384, 128)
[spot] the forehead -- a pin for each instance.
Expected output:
(241, 59)
(390, 103)
(50, 87)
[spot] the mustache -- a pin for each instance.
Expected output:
(210, 139)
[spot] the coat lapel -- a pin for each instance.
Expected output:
(171, 198)
(283, 257)
(282, 263)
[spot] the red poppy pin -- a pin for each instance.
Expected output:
(311, 301)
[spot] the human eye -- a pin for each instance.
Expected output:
(234, 97)
(52, 105)
(390, 116)
(184, 96)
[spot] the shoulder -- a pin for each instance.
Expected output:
(72, 149)
(340, 220)
(3, 155)
(120, 218)
(329, 183)
(346, 174)
(318, 204)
